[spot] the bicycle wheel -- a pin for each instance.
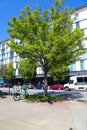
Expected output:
(16, 97)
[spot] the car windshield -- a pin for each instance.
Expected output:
(71, 82)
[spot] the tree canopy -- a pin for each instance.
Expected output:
(47, 38)
(27, 69)
(7, 72)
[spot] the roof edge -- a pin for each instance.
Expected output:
(81, 7)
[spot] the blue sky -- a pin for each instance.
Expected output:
(9, 8)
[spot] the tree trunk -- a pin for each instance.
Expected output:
(45, 84)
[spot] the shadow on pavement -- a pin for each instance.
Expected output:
(65, 94)
(71, 129)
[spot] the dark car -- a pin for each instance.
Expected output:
(56, 86)
(7, 85)
(28, 85)
(39, 86)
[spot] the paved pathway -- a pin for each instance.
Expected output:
(21, 115)
(79, 114)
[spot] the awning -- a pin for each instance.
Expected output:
(41, 76)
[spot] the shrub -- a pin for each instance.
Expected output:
(42, 98)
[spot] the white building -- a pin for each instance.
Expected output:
(8, 56)
(80, 67)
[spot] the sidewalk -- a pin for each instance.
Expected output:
(21, 115)
(79, 114)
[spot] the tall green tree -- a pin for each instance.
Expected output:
(47, 38)
(4, 72)
(10, 72)
(27, 69)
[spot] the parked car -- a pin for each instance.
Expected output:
(7, 85)
(56, 86)
(28, 85)
(39, 86)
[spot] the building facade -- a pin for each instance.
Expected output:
(80, 67)
(8, 56)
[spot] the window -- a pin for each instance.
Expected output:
(80, 79)
(1, 62)
(77, 17)
(85, 80)
(3, 46)
(3, 56)
(11, 53)
(77, 24)
(11, 59)
(2, 51)
(71, 82)
(82, 67)
(72, 67)
(85, 56)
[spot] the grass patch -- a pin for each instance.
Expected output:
(42, 98)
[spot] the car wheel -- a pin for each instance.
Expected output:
(67, 88)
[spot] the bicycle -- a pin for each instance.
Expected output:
(21, 95)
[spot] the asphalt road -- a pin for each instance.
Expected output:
(70, 95)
